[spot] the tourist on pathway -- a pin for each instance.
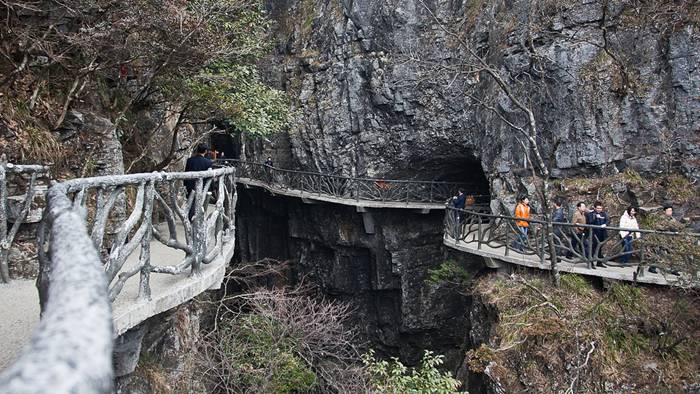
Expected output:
(628, 221)
(196, 163)
(459, 199)
(268, 169)
(558, 217)
(522, 211)
(578, 236)
(212, 154)
(458, 202)
(598, 217)
(668, 224)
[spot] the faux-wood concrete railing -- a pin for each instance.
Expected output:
(7, 237)
(89, 237)
(672, 252)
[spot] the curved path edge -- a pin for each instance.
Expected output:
(344, 201)
(174, 291)
(616, 273)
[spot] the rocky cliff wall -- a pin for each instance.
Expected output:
(386, 88)
(384, 275)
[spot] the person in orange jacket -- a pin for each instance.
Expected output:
(522, 211)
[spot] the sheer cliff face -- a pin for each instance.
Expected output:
(384, 88)
(385, 276)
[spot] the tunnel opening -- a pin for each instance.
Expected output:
(462, 169)
(225, 144)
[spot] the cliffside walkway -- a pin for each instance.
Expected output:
(495, 237)
(357, 192)
(113, 251)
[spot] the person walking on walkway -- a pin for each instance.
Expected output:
(558, 217)
(196, 163)
(578, 235)
(268, 169)
(669, 223)
(628, 221)
(522, 211)
(598, 217)
(458, 202)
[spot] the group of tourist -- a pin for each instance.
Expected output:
(585, 240)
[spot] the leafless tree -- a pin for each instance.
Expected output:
(257, 333)
(520, 116)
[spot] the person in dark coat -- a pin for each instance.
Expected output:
(196, 163)
(598, 217)
(458, 202)
(459, 199)
(558, 217)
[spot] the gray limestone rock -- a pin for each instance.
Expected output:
(604, 88)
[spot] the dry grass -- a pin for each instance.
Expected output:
(615, 191)
(548, 337)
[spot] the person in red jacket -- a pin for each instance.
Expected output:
(522, 211)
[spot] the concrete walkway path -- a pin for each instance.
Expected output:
(305, 195)
(19, 300)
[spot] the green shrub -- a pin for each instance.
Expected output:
(393, 377)
(449, 272)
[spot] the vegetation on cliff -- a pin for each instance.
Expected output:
(579, 338)
(293, 340)
(151, 68)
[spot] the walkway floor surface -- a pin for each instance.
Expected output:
(533, 261)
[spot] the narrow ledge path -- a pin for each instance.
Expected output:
(19, 300)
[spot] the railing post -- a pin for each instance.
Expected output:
(4, 245)
(588, 247)
(145, 257)
(542, 241)
(640, 268)
(507, 229)
(480, 233)
(198, 235)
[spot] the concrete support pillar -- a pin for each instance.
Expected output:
(493, 263)
(367, 219)
(127, 348)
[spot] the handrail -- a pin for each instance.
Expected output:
(7, 237)
(71, 350)
(118, 235)
(573, 243)
(90, 236)
(350, 188)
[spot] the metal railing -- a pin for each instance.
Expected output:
(587, 244)
(349, 188)
(85, 265)
(7, 237)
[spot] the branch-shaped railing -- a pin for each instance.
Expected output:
(7, 237)
(71, 350)
(188, 225)
(669, 251)
(90, 238)
(349, 188)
